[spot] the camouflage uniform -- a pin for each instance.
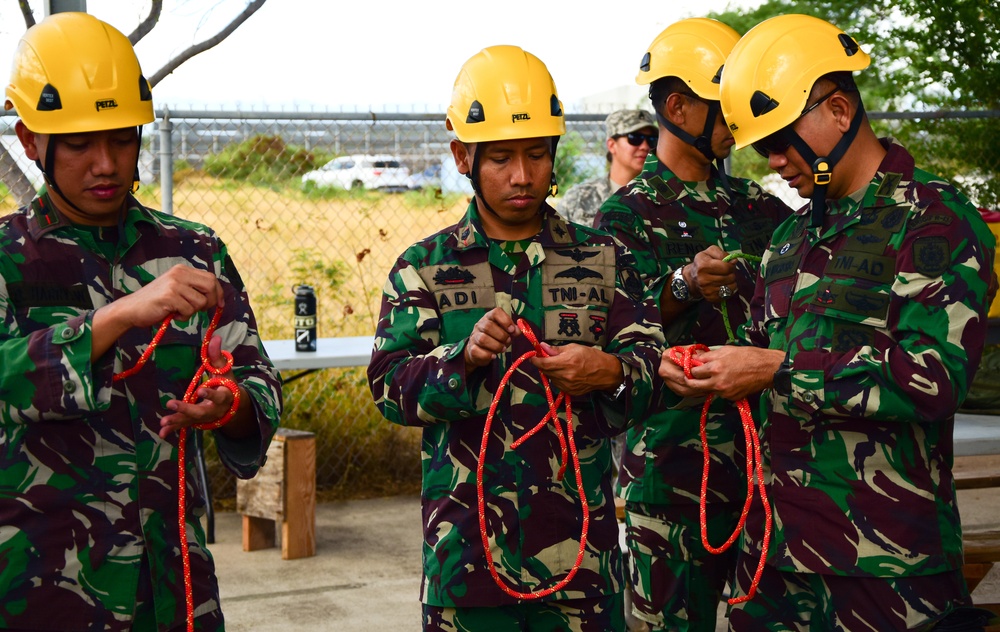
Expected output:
(883, 315)
(582, 201)
(572, 284)
(88, 490)
(665, 221)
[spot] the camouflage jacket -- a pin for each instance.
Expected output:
(665, 221)
(882, 312)
(573, 285)
(582, 201)
(87, 487)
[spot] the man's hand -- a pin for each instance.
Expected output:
(180, 292)
(709, 272)
(491, 336)
(212, 404)
(579, 369)
(729, 371)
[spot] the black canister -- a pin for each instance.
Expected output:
(305, 318)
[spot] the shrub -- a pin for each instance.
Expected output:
(262, 159)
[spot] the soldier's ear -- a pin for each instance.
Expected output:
(463, 156)
(29, 140)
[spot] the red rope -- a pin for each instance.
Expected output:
(566, 452)
(190, 397)
(684, 357)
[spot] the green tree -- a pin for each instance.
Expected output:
(927, 55)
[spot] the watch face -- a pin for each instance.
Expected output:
(679, 289)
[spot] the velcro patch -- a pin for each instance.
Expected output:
(852, 300)
(847, 337)
(931, 255)
(24, 295)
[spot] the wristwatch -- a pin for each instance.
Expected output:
(679, 287)
(782, 379)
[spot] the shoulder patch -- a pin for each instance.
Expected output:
(930, 218)
(930, 255)
(631, 281)
(611, 217)
(888, 185)
(661, 188)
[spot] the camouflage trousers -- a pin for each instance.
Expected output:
(812, 602)
(676, 584)
(145, 616)
(598, 614)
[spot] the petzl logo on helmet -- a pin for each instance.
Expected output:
(520, 116)
(105, 104)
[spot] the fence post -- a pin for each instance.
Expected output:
(166, 165)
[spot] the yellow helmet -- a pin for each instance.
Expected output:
(74, 73)
(693, 50)
(504, 93)
(771, 71)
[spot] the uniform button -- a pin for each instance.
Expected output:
(68, 333)
(453, 383)
(808, 398)
(464, 413)
(69, 386)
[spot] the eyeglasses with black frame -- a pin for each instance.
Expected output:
(781, 140)
(635, 139)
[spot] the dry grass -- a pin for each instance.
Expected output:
(269, 233)
(343, 245)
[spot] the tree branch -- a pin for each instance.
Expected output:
(29, 17)
(147, 25)
(172, 65)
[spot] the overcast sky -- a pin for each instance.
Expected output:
(384, 55)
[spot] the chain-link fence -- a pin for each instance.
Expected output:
(259, 180)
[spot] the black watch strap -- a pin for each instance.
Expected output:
(782, 380)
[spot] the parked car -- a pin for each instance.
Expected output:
(429, 177)
(380, 171)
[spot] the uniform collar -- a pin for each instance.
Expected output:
(556, 231)
(43, 217)
(888, 186)
(660, 183)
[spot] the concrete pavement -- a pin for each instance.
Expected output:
(366, 571)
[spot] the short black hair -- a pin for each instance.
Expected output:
(844, 80)
(663, 87)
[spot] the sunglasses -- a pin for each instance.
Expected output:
(781, 140)
(635, 139)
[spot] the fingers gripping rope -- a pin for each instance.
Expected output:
(190, 397)
(565, 437)
(684, 357)
(723, 305)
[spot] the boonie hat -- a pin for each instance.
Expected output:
(622, 122)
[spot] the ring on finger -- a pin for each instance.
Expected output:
(725, 292)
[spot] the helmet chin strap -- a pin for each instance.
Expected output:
(702, 143)
(822, 166)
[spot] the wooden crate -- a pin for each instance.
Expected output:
(283, 493)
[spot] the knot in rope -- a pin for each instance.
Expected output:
(567, 452)
(190, 397)
(685, 357)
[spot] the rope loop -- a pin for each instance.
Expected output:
(568, 450)
(685, 357)
(191, 397)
